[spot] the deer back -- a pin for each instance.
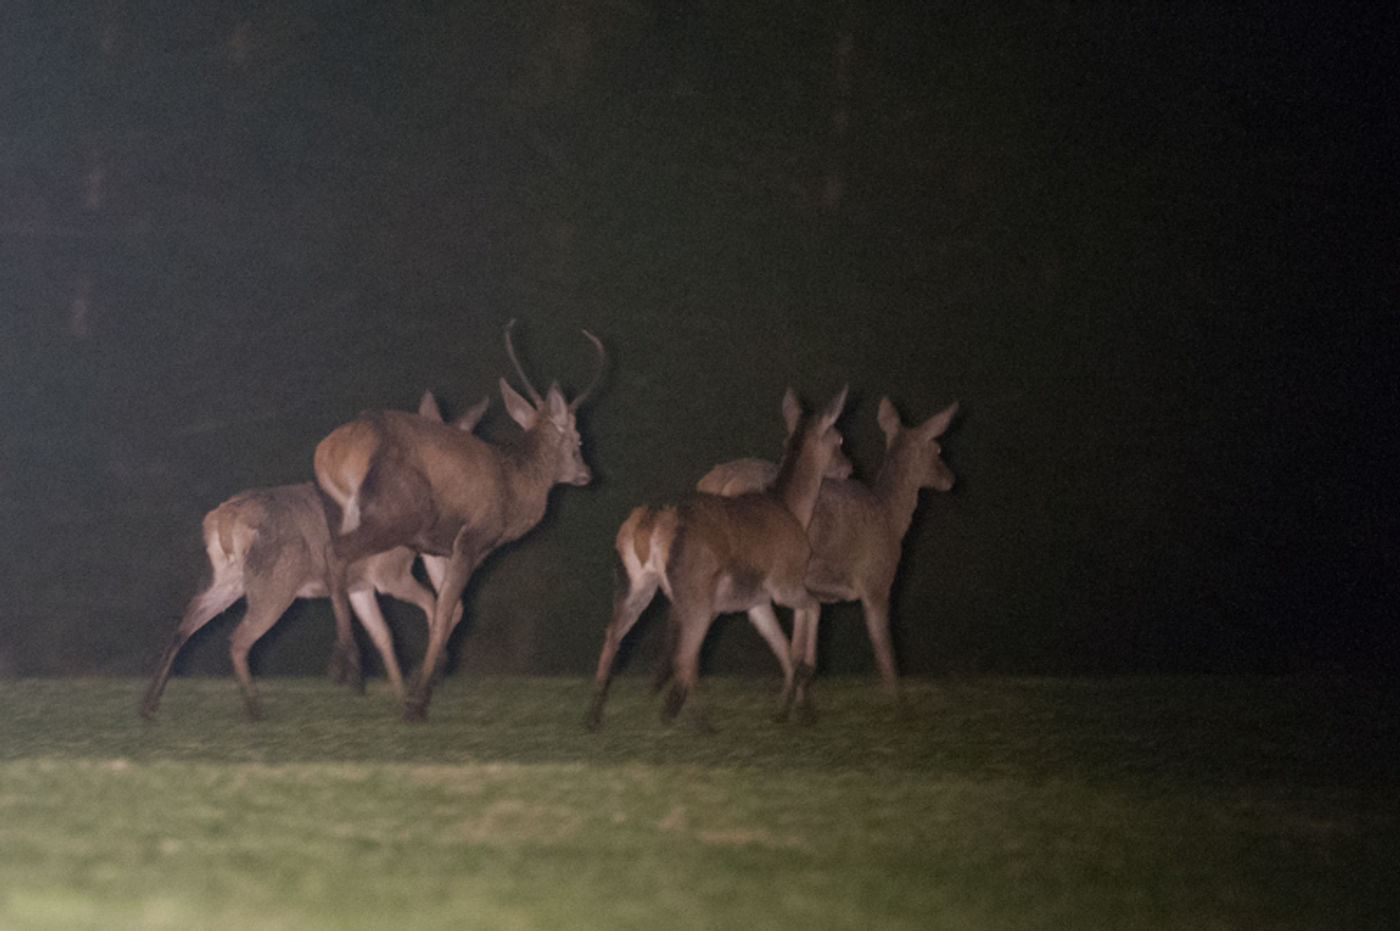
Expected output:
(737, 477)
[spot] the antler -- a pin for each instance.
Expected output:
(510, 351)
(602, 362)
(530, 389)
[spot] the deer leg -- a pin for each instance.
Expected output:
(407, 588)
(465, 556)
(628, 603)
(345, 655)
(691, 626)
(877, 624)
(765, 621)
(203, 608)
(805, 614)
(437, 572)
(366, 608)
(436, 567)
(263, 611)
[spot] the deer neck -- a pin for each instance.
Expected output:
(528, 466)
(800, 480)
(897, 489)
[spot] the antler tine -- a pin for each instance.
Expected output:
(598, 376)
(510, 351)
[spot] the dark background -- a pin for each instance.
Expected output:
(1151, 248)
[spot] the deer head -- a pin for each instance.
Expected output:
(551, 417)
(916, 449)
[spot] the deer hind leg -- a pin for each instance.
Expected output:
(345, 667)
(629, 601)
(223, 591)
(345, 656)
(691, 625)
(366, 608)
(264, 610)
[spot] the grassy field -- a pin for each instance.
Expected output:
(983, 803)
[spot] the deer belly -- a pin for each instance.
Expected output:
(739, 591)
(313, 589)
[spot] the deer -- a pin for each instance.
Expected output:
(389, 479)
(711, 554)
(268, 545)
(744, 475)
(857, 531)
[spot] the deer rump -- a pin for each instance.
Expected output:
(730, 554)
(442, 481)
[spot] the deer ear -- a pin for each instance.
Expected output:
(792, 411)
(833, 410)
(936, 424)
(519, 409)
(468, 421)
(428, 407)
(555, 404)
(890, 424)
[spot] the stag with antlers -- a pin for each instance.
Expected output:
(388, 479)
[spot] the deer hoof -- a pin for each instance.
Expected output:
(675, 699)
(806, 714)
(414, 713)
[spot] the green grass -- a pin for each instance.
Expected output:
(986, 803)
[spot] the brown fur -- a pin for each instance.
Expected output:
(857, 531)
(269, 544)
(391, 479)
(711, 554)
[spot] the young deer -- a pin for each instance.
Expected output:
(269, 544)
(711, 554)
(857, 531)
(389, 479)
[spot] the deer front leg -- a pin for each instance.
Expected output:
(877, 624)
(436, 567)
(367, 609)
(765, 621)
